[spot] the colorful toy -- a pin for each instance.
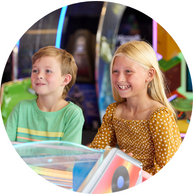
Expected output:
(82, 169)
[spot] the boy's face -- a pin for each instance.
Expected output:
(46, 77)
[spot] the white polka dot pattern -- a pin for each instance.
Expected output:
(153, 141)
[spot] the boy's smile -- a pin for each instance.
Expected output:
(40, 84)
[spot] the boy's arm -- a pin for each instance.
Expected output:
(73, 132)
(11, 125)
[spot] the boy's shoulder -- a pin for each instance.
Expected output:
(73, 109)
(73, 106)
(26, 102)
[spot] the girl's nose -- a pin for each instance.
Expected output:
(121, 77)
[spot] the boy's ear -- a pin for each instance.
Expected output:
(67, 79)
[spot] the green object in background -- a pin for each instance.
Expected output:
(182, 104)
(13, 92)
(166, 65)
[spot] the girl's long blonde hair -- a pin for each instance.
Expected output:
(143, 53)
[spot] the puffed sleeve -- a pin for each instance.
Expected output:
(106, 134)
(166, 137)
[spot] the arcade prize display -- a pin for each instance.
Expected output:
(81, 169)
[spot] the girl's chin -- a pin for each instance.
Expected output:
(123, 95)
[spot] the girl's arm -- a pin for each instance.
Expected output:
(166, 138)
(106, 134)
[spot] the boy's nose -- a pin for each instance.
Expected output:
(40, 76)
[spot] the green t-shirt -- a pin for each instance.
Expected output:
(28, 123)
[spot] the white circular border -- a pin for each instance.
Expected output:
(17, 16)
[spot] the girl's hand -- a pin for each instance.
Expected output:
(129, 154)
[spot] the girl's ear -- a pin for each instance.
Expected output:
(150, 75)
(67, 79)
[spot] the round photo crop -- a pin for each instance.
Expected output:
(92, 31)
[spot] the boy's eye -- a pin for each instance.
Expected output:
(34, 71)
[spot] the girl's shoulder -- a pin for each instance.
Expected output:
(112, 107)
(155, 108)
(161, 111)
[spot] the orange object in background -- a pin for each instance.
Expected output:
(166, 46)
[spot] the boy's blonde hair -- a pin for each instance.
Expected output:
(66, 60)
(143, 53)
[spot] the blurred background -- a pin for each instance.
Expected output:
(91, 32)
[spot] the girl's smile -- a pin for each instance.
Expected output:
(123, 87)
(128, 77)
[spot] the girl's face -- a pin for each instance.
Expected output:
(46, 77)
(129, 78)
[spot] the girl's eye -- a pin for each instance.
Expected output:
(48, 71)
(114, 71)
(128, 71)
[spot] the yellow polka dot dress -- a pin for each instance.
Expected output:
(153, 141)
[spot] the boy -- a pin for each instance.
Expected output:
(49, 116)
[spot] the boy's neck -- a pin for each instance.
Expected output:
(51, 104)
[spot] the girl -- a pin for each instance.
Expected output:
(141, 121)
